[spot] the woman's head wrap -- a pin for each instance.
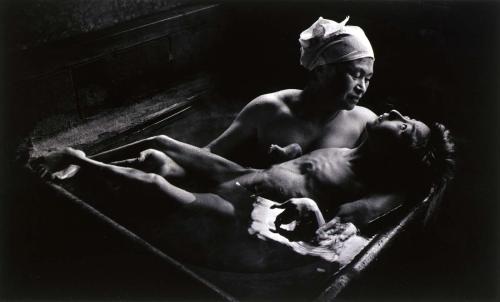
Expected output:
(327, 41)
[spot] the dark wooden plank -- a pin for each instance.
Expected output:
(70, 53)
(378, 244)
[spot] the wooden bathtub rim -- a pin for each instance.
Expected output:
(59, 190)
(344, 276)
(167, 115)
(341, 279)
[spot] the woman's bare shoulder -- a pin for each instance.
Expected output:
(362, 114)
(278, 101)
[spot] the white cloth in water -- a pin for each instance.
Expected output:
(327, 42)
(339, 245)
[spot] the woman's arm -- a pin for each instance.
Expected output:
(241, 129)
(246, 124)
(362, 211)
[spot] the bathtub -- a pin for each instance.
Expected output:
(315, 279)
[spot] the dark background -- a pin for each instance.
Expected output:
(434, 60)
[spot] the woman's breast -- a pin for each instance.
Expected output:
(286, 131)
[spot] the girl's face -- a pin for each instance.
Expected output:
(398, 129)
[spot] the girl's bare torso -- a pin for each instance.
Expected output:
(323, 175)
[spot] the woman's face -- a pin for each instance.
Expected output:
(394, 127)
(345, 83)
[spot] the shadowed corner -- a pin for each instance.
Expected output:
(99, 95)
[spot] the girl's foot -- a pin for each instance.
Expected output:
(58, 164)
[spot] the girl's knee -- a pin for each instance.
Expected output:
(152, 155)
(157, 162)
(161, 140)
(152, 161)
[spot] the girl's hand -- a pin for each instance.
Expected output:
(305, 213)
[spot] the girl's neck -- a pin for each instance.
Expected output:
(365, 162)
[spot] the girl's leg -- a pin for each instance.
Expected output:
(198, 161)
(136, 185)
(186, 158)
(154, 161)
(127, 151)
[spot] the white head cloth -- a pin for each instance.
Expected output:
(327, 41)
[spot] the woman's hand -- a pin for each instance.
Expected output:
(305, 213)
(328, 227)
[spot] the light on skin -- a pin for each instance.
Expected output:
(388, 127)
(345, 83)
(396, 132)
(394, 124)
(390, 139)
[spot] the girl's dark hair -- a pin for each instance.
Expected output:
(437, 155)
(423, 162)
